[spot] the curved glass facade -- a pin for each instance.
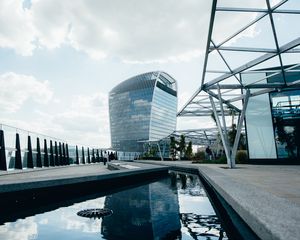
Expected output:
(142, 108)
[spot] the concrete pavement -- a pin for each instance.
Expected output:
(19, 180)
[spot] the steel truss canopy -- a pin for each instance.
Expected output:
(255, 40)
(201, 137)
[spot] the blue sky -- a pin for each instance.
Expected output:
(59, 59)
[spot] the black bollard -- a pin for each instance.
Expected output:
(46, 158)
(89, 157)
(38, 155)
(3, 165)
(52, 161)
(18, 161)
(93, 156)
(67, 153)
(77, 157)
(60, 157)
(64, 162)
(83, 157)
(101, 155)
(56, 163)
(29, 154)
(97, 156)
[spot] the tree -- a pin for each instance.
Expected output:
(285, 137)
(231, 134)
(181, 146)
(173, 147)
(153, 151)
(189, 150)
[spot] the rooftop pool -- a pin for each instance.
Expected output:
(173, 207)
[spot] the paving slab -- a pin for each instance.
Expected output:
(266, 197)
(18, 180)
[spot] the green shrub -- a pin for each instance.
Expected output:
(199, 155)
(222, 159)
(201, 159)
(241, 157)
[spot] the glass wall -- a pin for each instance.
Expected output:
(10, 146)
(273, 119)
(286, 117)
(142, 108)
(286, 114)
(259, 126)
(163, 115)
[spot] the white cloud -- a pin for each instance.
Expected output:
(78, 223)
(195, 123)
(134, 30)
(16, 27)
(24, 229)
(183, 97)
(86, 122)
(16, 89)
(44, 221)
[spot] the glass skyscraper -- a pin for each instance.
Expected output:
(142, 108)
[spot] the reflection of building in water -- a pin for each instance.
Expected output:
(188, 184)
(205, 226)
(146, 212)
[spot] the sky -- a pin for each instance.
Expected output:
(60, 59)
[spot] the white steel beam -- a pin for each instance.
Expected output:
(239, 129)
(227, 151)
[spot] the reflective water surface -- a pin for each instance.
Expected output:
(172, 208)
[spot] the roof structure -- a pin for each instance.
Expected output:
(201, 137)
(254, 40)
(246, 37)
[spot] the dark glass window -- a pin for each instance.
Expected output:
(286, 119)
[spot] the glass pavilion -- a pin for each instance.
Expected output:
(251, 69)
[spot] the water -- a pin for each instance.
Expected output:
(171, 208)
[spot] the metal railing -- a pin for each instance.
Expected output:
(287, 109)
(21, 149)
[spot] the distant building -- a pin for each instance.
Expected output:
(142, 108)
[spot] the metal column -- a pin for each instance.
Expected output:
(221, 132)
(239, 129)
